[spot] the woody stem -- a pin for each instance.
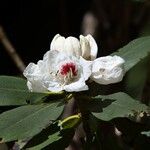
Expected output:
(85, 119)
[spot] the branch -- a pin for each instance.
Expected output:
(11, 50)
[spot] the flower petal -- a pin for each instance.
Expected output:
(76, 86)
(36, 86)
(54, 87)
(85, 47)
(57, 43)
(55, 58)
(93, 46)
(34, 77)
(72, 46)
(87, 68)
(107, 70)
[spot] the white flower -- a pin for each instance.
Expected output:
(107, 70)
(86, 47)
(58, 71)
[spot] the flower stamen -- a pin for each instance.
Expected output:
(68, 71)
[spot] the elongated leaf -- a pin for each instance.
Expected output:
(51, 138)
(41, 137)
(134, 86)
(134, 51)
(17, 97)
(9, 82)
(115, 105)
(26, 121)
(58, 140)
(13, 91)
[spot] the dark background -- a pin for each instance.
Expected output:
(31, 24)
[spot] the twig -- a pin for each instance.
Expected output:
(11, 50)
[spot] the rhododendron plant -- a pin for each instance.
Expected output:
(62, 100)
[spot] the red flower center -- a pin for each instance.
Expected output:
(67, 68)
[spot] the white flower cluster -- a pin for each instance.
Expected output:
(70, 63)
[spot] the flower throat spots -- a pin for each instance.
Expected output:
(69, 68)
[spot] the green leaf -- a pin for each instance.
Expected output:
(17, 97)
(13, 91)
(134, 51)
(134, 86)
(55, 141)
(9, 82)
(26, 121)
(115, 105)
(41, 137)
(51, 138)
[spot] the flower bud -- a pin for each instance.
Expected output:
(86, 47)
(70, 121)
(107, 70)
